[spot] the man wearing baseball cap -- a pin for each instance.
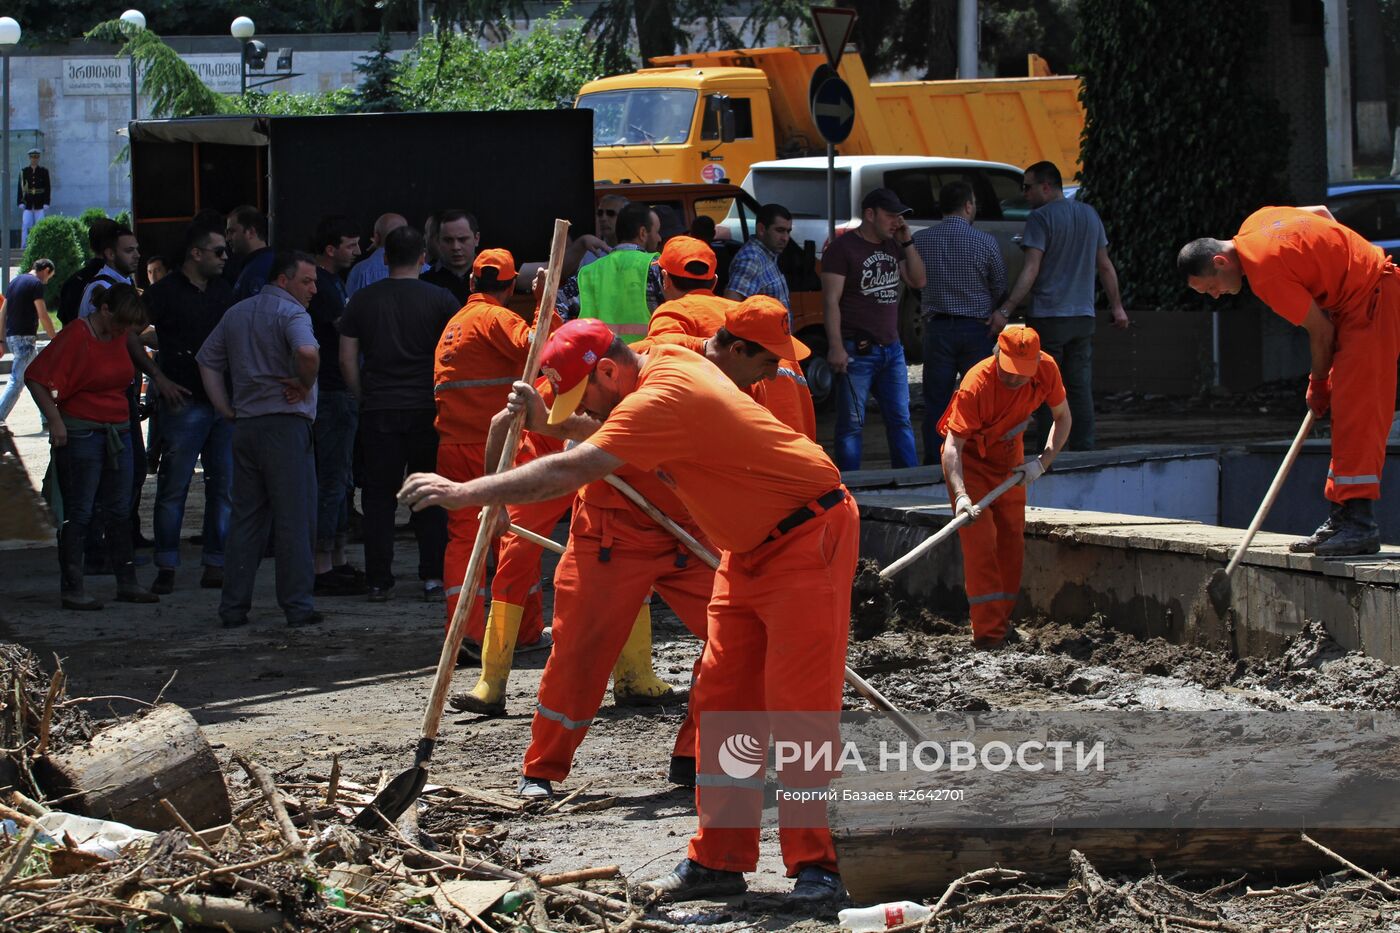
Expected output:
(481, 352)
(861, 272)
(983, 426)
(774, 504)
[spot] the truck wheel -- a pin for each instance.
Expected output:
(911, 326)
(818, 371)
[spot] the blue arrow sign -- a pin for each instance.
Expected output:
(834, 110)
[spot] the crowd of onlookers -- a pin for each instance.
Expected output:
(321, 383)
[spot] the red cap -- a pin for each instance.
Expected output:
(1019, 350)
(763, 320)
(498, 259)
(570, 356)
(688, 258)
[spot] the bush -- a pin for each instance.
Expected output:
(91, 216)
(63, 240)
(124, 218)
(1177, 142)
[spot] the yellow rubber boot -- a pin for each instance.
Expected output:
(634, 682)
(488, 697)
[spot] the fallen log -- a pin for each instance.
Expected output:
(1208, 795)
(207, 911)
(125, 770)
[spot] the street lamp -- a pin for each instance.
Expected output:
(243, 29)
(135, 21)
(9, 35)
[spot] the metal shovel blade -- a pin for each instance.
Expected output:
(1220, 590)
(393, 801)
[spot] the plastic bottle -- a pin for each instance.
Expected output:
(882, 916)
(512, 901)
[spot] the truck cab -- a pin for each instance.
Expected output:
(662, 125)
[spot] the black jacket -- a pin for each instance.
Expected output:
(34, 188)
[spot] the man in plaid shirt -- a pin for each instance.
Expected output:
(966, 283)
(755, 267)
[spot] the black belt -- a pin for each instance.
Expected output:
(809, 511)
(940, 316)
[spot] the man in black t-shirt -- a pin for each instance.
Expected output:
(21, 315)
(336, 247)
(394, 326)
(185, 307)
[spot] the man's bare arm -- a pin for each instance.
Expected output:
(1322, 340)
(1059, 434)
(45, 321)
(350, 363)
(1026, 280)
(1320, 210)
(536, 481)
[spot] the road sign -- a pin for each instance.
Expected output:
(834, 110)
(834, 25)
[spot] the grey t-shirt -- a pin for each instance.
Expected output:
(1070, 234)
(255, 342)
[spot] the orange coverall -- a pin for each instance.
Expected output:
(481, 352)
(779, 615)
(1292, 258)
(992, 419)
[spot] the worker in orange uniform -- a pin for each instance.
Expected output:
(1314, 272)
(778, 618)
(984, 425)
(615, 551)
(481, 352)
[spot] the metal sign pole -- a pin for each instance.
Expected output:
(6, 192)
(830, 193)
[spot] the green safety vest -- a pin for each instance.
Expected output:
(613, 289)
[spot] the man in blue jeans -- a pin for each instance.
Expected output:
(185, 307)
(1065, 247)
(966, 280)
(21, 316)
(861, 272)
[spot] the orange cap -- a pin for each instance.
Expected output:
(497, 259)
(688, 258)
(763, 320)
(1018, 350)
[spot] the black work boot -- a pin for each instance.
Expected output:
(1358, 534)
(1324, 531)
(72, 539)
(691, 881)
(128, 589)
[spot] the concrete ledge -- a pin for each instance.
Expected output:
(1148, 576)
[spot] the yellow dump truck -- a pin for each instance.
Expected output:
(706, 117)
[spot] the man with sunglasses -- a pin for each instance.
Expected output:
(184, 308)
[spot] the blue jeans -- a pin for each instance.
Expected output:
(194, 431)
(22, 354)
(96, 491)
(1070, 342)
(952, 346)
(880, 372)
(337, 416)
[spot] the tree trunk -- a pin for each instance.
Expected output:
(1372, 122)
(655, 34)
(123, 773)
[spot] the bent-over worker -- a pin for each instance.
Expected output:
(1314, 272)
(984, 426)
(779, 615)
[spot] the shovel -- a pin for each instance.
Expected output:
(400, 793)
(1220, 589)
(858, 683)
(948, 530)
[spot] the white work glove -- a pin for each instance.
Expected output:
(1030, 471)
(965, 505)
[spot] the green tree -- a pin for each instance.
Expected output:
(63, 240)
(1176, 143)
(173, 86)
(540, 69)
(378, 91)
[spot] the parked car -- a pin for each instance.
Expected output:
(1371, 208)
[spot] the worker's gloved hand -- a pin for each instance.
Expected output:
(1319, 395)
(1030, 471)
(965, 506)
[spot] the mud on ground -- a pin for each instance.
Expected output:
(355, 686)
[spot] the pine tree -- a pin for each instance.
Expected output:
(378, 90)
